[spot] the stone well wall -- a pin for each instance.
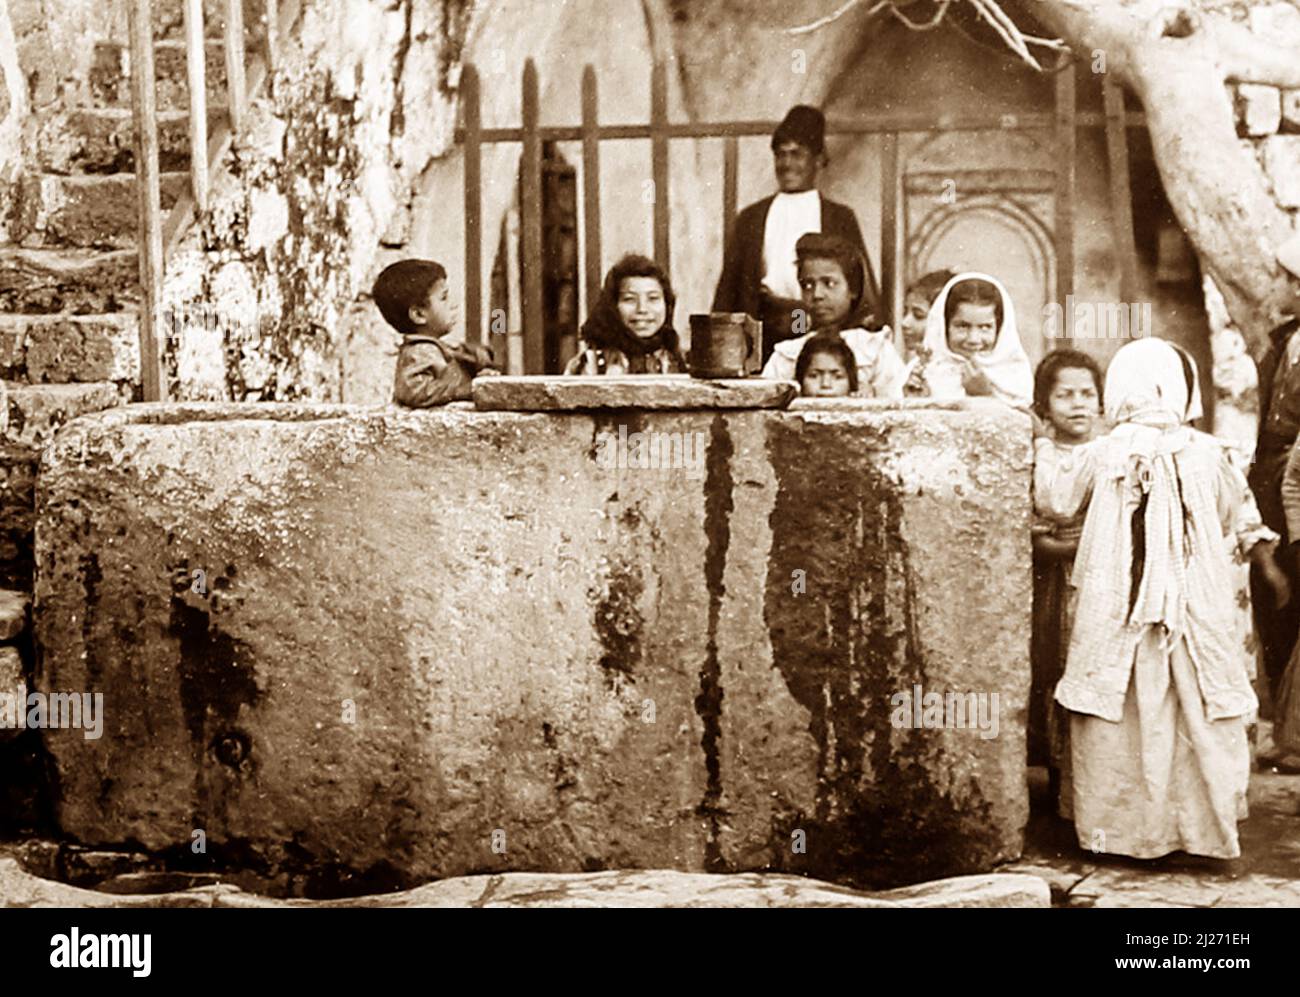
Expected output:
(432, 643)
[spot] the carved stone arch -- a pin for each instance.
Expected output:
(1030, 291)
(1002, 208)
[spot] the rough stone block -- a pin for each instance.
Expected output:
(68, 280)
(88, 211)
(63, 348)
(1291, 110)
(36, 411)
(100, 140)
(1259, 109)
(1282, 163)
(13, 613)
(674, 391)
(1279, 23)
(447, 641)
(110, 76)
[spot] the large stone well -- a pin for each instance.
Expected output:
(433, 643)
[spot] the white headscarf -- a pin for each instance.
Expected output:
(1147, 398)
(1147, 383)
(1006, 365)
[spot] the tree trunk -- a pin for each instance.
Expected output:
(1178, 62)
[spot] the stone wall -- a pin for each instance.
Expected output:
(412, 644)
(324, 174)
(1268, 126)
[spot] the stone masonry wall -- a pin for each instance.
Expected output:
(414, 644)
(323, 175)
(1268, 125)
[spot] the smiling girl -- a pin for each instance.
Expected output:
(630, 330)
(974, 348)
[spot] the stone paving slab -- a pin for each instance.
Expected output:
(1266, 875)
(641, 888)
(669, 391)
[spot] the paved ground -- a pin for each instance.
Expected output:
(1266, 875)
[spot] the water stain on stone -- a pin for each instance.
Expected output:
(718, 506)
(215, 671)
(841, 648)
(616, 613)
(617, 619)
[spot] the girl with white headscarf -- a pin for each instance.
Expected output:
(972, 346)
(1156, 683)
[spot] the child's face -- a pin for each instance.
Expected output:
(641, 306)
(973, 329)
(437, 315)
(825, 292)
(915, 309)
(825, 377)
(1073, 405)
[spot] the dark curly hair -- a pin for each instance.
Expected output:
(1055, 362)
(604, 328)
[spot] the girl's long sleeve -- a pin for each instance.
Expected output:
(1062, 478)
(1238, 510)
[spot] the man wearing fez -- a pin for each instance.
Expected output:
(759, 274)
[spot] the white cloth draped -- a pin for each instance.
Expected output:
(788, 217)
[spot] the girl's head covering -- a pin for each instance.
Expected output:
(1152, 391)
(1006, 365)
(819, 246)
(1152, 382)
(604, 328)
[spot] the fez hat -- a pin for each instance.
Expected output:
(802, 124)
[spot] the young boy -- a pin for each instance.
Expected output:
(434, 363)
(834, 285)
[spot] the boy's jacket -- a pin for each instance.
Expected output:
(417, 383)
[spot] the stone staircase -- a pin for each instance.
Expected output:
(69, 272)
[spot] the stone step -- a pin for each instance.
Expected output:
(98, 211)
(38, 411)
(110, 75)
(102, 140)
(77, 281)
(44, 349)
(168, 18)
(14, 604)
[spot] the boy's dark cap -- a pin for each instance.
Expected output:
(803, 124)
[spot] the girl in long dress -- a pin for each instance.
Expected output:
(1156, 684)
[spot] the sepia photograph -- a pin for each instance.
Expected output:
(649, 454)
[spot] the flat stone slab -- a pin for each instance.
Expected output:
(669, 391)
(640, 888)
(13, 613)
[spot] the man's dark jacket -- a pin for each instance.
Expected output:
(742, 269)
